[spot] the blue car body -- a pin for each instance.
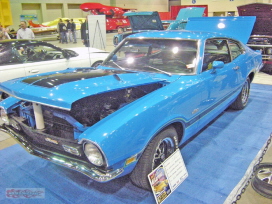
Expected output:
(120, 107)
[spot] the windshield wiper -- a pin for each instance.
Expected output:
(169, 74)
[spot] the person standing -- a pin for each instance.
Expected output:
(69, 30)
(3, 36)
(24, 32)
(85, 33)
(4, 33)
(58, 30)
(63, 32)
(73, 30)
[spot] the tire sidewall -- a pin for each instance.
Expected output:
(247, 83)
(260, 186)
(145, 163)
(96, 64)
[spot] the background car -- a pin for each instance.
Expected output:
(20, 58)
(152, 93)
(261, 36)
(150, 20)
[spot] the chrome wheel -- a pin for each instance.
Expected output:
(245, 92)
(164, 149)
(265, 175)
(242, 99)
(158, 149)
(262, 180)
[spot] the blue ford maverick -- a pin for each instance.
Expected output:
(153, 92)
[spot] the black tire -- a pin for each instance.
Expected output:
(160, 148)
(242, 99)
(262, 180)
(96, 64)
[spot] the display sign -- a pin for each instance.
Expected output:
(28, 17)
(168, 176)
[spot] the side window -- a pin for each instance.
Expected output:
(37, 53)
(235, 49)
(8, 56)
(215, 50)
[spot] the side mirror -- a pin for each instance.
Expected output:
(218, 64)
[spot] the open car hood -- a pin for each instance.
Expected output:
(263, 14)
(188, 12)
(239, 28)
(145, 20)
(61, 89)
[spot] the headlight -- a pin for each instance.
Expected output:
(93, 154)
(4, 116)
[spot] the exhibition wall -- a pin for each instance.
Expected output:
(48, 10)
(51, 9)
(223, 6)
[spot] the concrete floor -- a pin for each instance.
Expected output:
(261, 78)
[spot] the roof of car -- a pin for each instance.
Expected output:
(177, 34)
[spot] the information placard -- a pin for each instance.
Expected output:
(168, 176)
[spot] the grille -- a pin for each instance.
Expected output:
(58, 127)
(48, 142)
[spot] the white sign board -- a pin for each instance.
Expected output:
(168, 176)
(97, 31)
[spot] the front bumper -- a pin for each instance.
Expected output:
(63, 160)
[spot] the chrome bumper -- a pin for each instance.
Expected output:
(63, 160)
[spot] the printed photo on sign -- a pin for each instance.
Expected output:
(168, 176)
(159, 184)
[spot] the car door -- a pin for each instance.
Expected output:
(237, 53)
(218, 84)
(11, 66)
(11, 71)
(43, 58)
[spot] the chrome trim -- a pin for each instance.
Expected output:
(63, 160)
(85, 141)
(2, 108)
(258, 45)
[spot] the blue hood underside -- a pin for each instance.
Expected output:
(239, 28)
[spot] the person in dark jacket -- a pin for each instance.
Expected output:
(69, 30)
(73, 30)
(63, 32)
(85, 33)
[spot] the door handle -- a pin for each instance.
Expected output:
(34, 71)
(236, 68)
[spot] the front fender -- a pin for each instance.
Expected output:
(127, 131)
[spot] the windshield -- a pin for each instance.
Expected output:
(169, 56)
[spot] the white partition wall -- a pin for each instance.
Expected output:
(97, 31)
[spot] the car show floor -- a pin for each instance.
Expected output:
(219, 161)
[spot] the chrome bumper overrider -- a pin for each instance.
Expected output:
(63, 160)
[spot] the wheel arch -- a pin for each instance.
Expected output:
(251, 76)
(179, 127)
(97, 63)
(180, 130)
